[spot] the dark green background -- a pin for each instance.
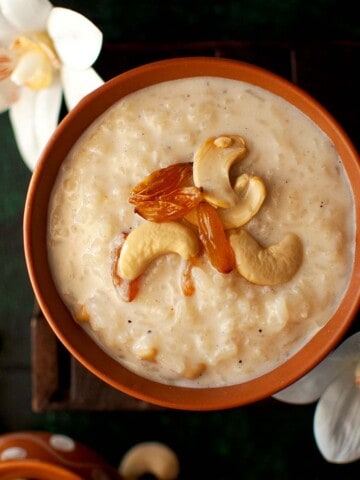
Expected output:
(227, 19)
(254, 442)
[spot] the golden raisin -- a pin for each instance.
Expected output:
(169, 206)
(161, 182)
(214, 239)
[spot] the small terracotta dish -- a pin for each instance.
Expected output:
(47, 456)
(75, 338)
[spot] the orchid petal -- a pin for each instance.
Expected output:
(34, 117)
(337, 420)
(33, 70)
(349, 349)
(77, 40)
(26, 15)
(9, 93)
(310, 387)
(7, 31)
(77, 84)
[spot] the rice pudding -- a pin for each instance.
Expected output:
(227, 329)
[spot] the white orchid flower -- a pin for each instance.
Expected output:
(45, 51)
(335, 383)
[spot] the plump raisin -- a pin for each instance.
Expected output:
(161, 182)
(169, 206)
(214, 239)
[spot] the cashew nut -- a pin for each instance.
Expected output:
(212, 162)
(149, 458)
(251, 193)
(266, 266)
(149, 241)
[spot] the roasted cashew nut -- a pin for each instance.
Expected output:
(149, 458)
(211, 165)
(149, 241)
(266, 266)
(251, 193)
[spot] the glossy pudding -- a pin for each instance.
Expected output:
(202, 231)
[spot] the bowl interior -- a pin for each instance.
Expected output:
(74, 338)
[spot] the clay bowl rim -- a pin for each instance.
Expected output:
(73, 337)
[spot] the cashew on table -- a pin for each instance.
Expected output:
(150, 458)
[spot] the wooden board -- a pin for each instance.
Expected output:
(326, 70)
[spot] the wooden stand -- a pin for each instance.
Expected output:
(326, 70)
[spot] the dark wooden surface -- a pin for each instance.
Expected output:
(60, 382)
(326, 70)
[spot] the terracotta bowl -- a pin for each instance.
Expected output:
(48, 456)
(74, 338)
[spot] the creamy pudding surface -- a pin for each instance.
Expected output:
(229, 329)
